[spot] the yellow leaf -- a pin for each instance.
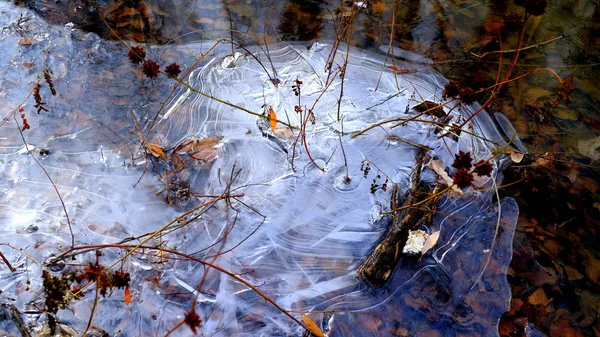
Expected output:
(430, 242)
(312, 326)
(127, 295)
(272, 118)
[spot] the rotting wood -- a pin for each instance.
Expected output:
(417, 207)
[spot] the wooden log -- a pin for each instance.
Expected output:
(417, 206)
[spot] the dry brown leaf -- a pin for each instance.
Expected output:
(27, 41)
(178, 163)
(186, 146)
(201, 149)
(156, 151)
(430, 242)
(272, 118)
(538, 297)
(312, 327)
(516, 157)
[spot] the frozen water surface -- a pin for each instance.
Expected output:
(295, 232)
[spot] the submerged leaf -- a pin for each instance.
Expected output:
(312, 326)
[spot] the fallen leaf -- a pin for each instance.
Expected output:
(284, 132)
(127, 295)
(156, 151)
(538, 297)
(27, 41)
(206, 149)
(186, 146)
(431, 108)
(430, 242)
(592, 268)
(516, 157)
(272, 118)
(178, 163)
(438, 166)
(312, 326)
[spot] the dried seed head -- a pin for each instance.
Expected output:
(451, 89)
(467, 95)
(137, 54)
(150, 69)
(483, 168)
(173, 70)
(512, 22)
(462, 178)
(463, 160)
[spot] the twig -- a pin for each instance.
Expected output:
(64, 207)
(480, 56)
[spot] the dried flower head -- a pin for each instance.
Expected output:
(534, 7)
(462, 178)
(150, 69)
(193, 320)
(137, 54)
(451, 89)
(483, 168)
(120, 279)
(172, 70)
(512, 22)
(463, 160)
(467, 95)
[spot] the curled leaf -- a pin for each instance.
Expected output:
(127, 295)
(516, 157)
(430, 242)
(312, 327)
(156, 151)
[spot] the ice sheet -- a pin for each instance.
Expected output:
(298, 234)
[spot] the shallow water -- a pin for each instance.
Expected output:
(298, 233)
